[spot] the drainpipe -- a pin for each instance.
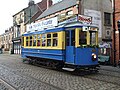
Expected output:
(114, 29)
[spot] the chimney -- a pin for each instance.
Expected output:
(49, 3)
(31, 2)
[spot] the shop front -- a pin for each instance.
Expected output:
(16, 46)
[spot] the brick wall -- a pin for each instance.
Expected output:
(117, 17)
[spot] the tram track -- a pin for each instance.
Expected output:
(104, 78)
(26, 77)
(6, 86)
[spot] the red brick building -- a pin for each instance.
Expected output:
(116, 40)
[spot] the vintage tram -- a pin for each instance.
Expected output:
(73, 46)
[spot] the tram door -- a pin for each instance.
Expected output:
(70, 46)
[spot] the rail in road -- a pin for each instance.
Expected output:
(6, 86)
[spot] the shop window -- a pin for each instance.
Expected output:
(38, 40)
(48, 39)
(34, 40)
(82, 37)
(55, 39)
(43, 40)
(31, 40)
(26, 41)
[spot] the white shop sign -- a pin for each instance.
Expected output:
(85, 20)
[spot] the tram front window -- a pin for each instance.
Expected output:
(82, 37)
(92, 37)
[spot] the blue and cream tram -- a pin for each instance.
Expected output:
(70, 46)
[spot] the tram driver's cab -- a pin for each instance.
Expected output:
(81, 41)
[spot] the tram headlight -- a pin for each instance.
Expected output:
(94, 56)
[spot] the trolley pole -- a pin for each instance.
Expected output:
(114, 29)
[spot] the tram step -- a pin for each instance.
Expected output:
(68, 69)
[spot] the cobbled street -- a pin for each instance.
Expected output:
(16, 75)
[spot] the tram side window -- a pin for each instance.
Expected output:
(43, 40)
(73, 38)
(38, 40)
(26, 41)
(67, 38)
(31, 40)
(55, 39)
(34, 40)
(82, 37)
(48, 39)
(92, 38)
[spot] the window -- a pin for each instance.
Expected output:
(48, 39)
(70, 12)
(67, 38)
(26, 41)
(82, 37)
(43, 40)
(31, 40)
(92, 38)
(107, 18)
(38, 40)
(34, 40)
(62, 15)
(55, 40)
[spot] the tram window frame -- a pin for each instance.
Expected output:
(38, 40)
(34, 40)
(73, 38)
(91, 38)
(82, 41)
(49, 41)
(67, 38)
(31, 41)
(43, 40)
(55, 40)
(27, 41)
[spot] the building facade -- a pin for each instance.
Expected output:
(6, 40)
(26, 16)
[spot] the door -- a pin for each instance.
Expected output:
(70, 46)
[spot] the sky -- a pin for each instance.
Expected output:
(8, 8)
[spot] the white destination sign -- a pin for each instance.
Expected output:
(49, 23)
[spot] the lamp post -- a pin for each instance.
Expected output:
(114, 29)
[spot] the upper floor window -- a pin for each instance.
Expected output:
(70, 12)
(107, 18)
